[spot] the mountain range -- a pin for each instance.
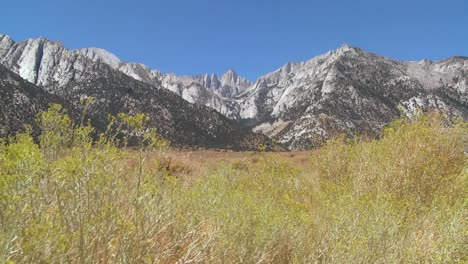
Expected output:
(298, 106)
(54, 72)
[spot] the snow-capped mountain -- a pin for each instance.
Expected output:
(346, 90)
(72, 75)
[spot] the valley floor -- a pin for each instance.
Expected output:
(400, 199)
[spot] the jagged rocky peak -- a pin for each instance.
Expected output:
(233, 84)
(208, 81)
(345, 48)
(229, 76)
(6, 42)
(281, 74)
(25, 57)
(213, 80)
(141, 72)
(350, 90)
(50, 64)
(70, 76)
(100, 55)
(228, 85)
(344, 90)
(44, 62)
(307, 68)
(4, 37)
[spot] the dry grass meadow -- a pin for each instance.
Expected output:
(71, 199)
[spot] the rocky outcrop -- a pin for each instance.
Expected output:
(71, 76)
(347, 90)
(353, 92)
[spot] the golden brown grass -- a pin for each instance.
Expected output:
(193, 164)
(400, 199)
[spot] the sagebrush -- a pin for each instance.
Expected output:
(72, 198)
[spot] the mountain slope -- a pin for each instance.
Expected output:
(351, 91)
(204, 89)
(343, 91)
(72, 76)
(183, 123)
(347, 90)
(20, 102)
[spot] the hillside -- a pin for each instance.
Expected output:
(72, 76)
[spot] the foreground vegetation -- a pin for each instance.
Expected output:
(69, 199)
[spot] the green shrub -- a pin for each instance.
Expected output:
(400, 199)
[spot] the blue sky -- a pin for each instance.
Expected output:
(252, 37)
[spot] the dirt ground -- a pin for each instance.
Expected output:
(192, 164)
(207, 157)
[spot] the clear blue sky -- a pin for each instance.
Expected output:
(251, 36)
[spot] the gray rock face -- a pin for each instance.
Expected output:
(72, 75)
(204, 89)
(301, 104)
(5, 44)
(100, 55)
(209, 90)
(47, 63)
(351, 91)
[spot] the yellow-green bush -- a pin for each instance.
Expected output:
(399, 199)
